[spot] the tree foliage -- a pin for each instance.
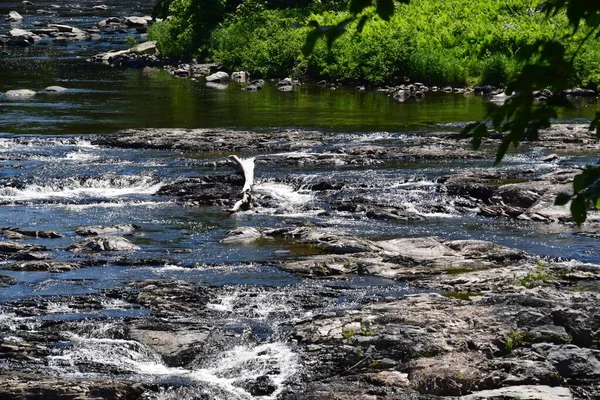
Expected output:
(546, 65)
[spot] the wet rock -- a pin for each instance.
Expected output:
(49, 266)
(21, 34)
(575, 363)
(240, 76)
(18, 233)
(178, 347)
(100, 244)
(13, 248)
(255, 85)
(136, 21)
(97, 230)
(146, 48)
(56, 89)
(20, 93)
(170, 297)
(13, 16)
(25, 385)
(243, 234)
(6, 281)
(208, 190)
(218, 76)
(217, 140)
(261, 386)
(537, 392)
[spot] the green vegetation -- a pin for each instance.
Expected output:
(514, 340)
(539, 277)
(454, 42)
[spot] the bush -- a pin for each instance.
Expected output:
(187, 30)
(268, 43)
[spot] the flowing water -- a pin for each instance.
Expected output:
(54, 178)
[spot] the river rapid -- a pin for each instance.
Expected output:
(58, 174)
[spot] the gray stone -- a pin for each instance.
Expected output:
(14, 16)
(218, 76)
(525, 392)
(56, 89)
(20, 93)
(145, 48)
(100, 244)
(97, 230)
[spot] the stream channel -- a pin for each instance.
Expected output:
(56, 176)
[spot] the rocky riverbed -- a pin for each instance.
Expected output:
(383, 259)
(448, 317)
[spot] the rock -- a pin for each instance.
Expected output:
(97, 230)
(27, 385)
(23, 34)
(13, 248)
(14, 16)
(64, 28)
(145, 48)
(49, 266)
(56, 89)
(218, 77)
(100, 244)
(240, 76)
(261, 386)
(177, 347)
(256, 85)
(575, 363)
(136, 21)
(525, 392)
(243, 234)
(32, 234)
(20, 93)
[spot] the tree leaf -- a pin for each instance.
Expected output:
(309, 44)
(562, 199)
(385, 9)
(579, 209)
(356, 6)
(361, 23)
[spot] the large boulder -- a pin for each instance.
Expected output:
(14, 16)
(146, 48)
(100, 244)
(218, 77)
(20, 93)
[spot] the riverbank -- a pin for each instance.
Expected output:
(418, 316)
(383, 259)
(455, 43)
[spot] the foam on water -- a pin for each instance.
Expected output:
(224, 377)
(76, 188)
(287, 198)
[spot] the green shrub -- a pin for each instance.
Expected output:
(188, 28)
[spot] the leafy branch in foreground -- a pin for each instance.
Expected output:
(363, 10)
(520, 118)
(547, 68)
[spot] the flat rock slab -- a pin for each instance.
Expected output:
(97, 230)
(101, 244)
(20, 93)
(205, 140)
(525, 392)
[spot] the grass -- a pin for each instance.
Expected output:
(443, 43)
(454, 42)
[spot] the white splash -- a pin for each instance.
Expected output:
(285, 196)
(75, 188)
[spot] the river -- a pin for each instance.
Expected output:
(55, 177)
